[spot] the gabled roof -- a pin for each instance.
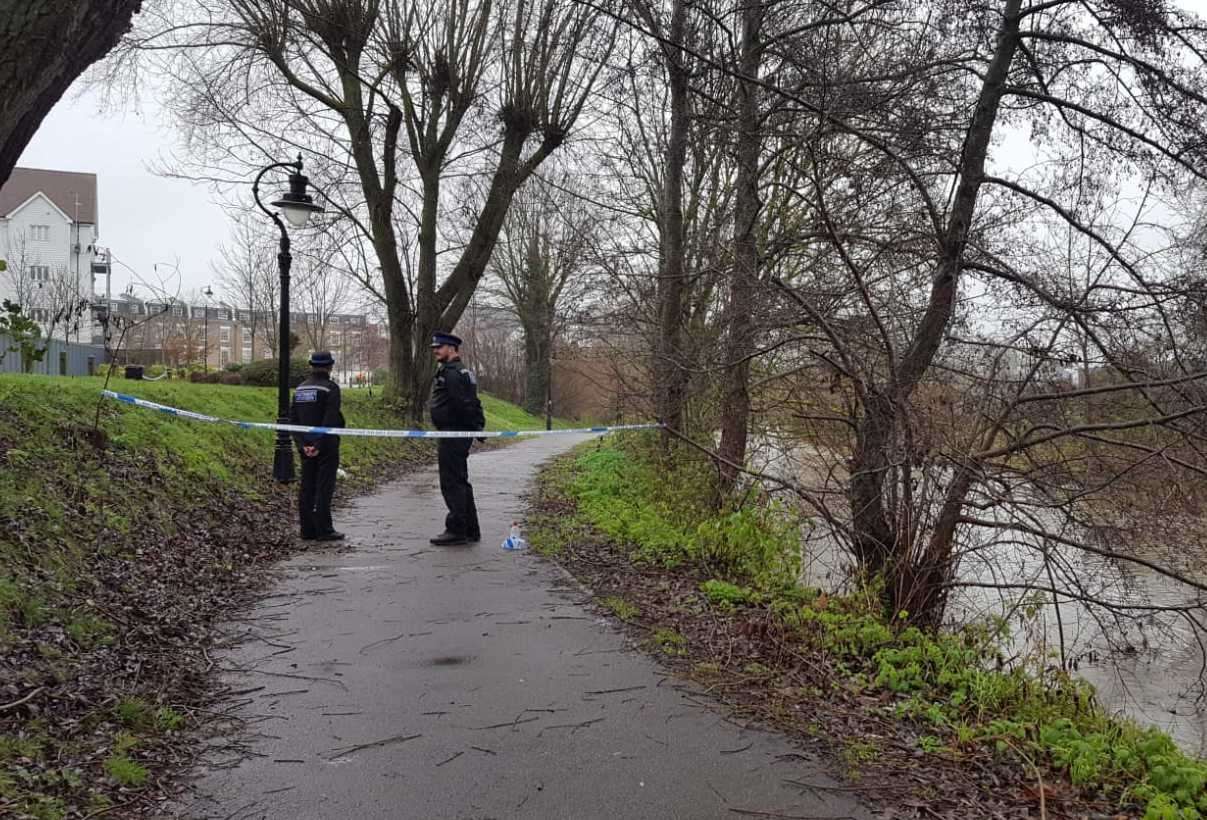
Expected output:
(39, 196)
(60, 187)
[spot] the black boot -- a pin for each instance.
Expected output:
(449, 539)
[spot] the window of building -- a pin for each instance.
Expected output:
(39, 233)
(39, 273)
(226, 334)
(39, 314)
(246, 348)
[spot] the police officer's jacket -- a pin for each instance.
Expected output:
(316, 403)
(455, 404)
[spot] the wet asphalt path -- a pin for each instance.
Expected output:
(400, 680)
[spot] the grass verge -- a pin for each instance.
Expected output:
(121, 549)
(932, 720)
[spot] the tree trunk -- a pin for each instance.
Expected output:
(874, 539)
(670, 374)
(537, 354)
(50, 44)
(921, 591)
(421, 368)
(735, 408)
(401, 325)
(378, 189)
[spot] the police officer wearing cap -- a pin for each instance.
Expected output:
(316, 403)
(455, 406)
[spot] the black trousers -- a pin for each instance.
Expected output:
(317, 488)
(453, 458)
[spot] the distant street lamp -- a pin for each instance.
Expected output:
(205, 334)
(297, 205)
(100, 316)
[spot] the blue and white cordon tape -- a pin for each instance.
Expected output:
(355, 431)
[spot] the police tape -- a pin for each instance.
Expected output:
(355, 431)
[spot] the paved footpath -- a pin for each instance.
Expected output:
(401, 680)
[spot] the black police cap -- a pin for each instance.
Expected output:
(445, 339)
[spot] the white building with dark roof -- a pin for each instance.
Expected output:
(48, 234)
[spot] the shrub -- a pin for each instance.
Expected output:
(727, 594)
(203, 377)
(134, 713)
(125, 771)
(231, 378)
(380, 375)
(19, 605)
(234, 367)
(621, 608)
(263, 372)
(168, 719)
(89, 631)
(669, 642)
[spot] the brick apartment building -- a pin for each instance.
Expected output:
(177, 334)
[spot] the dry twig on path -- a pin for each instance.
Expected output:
(360, 747)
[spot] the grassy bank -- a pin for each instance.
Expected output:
(121, 548)
(715, 592)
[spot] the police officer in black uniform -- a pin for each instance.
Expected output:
(455, 406)
(316, 403)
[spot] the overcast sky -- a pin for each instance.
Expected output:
(147, 220)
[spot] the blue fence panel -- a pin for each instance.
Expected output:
(61, 359)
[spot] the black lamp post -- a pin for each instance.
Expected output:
(297, 205)
(205, 331)
(100, 315)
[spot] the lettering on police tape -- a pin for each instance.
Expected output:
(361, 431)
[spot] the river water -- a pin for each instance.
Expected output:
(1148, 665)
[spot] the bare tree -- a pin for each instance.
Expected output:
(492, 344)
(667, 161)
(376, 81)
(25, 273)
(247, 272)
(183, 338)
(322, 291)
(540, 261)
(66, 307)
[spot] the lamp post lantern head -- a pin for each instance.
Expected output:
(297, 205)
